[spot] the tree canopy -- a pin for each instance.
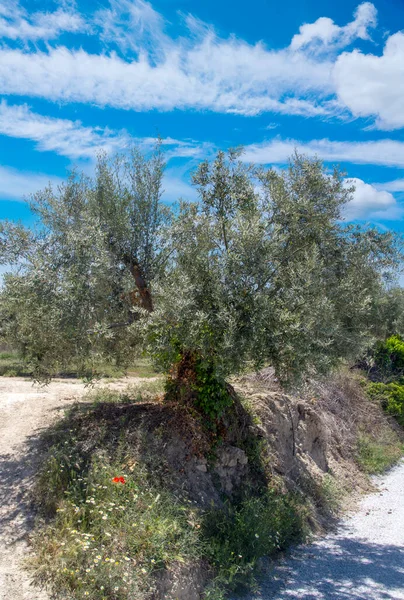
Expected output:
(262, 269)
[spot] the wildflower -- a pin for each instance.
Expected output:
(119, 480)
(256, 535)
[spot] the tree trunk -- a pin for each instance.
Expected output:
(146, 301)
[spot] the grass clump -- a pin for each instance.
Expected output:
(376, 454)
(330, 494)
(11, 365)
(255, 527)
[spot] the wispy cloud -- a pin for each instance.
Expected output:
(198, 70)
(143, 68)
(227, 76)
(76, 141)
(379, 152)
(132, 25)
(17, 24)
(397, 185)
(65, 137)
(18, 185)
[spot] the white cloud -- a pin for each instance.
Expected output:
(380, 152)
(373, 86)
(223, 76)
(16, 185)
(397, 185)
(367, 202)
(324, 34)
(132, 25)
(175, 187)
(203, 71)
(74, 140)
(143, 68)
(16, 23)
(65, 137)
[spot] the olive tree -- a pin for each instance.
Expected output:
(261, 270)
(266, 271)
(85, 270)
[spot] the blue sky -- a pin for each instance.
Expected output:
(324, 77)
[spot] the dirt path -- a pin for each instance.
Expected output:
(24, 411)
(362, 560)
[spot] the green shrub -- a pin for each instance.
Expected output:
(194, 380)
(237, 539)
(389, 355)
(391, 397)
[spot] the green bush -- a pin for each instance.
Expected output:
(389, 355)
(391, 397)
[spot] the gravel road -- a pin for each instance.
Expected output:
(362, 560)
(24, 411)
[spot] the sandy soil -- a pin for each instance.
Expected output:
(26, 409)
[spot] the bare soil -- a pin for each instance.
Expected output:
(25, 410)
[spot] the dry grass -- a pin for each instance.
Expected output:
(360, 429)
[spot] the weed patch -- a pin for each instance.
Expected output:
(108, 537)
(330, 494)
(375, 454)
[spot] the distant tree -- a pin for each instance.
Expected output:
(390, 312)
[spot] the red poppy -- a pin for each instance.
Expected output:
(119, 480)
